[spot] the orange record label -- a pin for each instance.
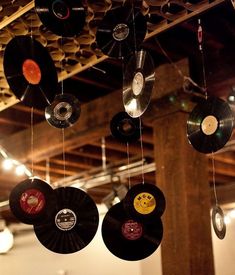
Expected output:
(31, 71)
(144, 203)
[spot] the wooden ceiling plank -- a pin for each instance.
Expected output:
(93, 123)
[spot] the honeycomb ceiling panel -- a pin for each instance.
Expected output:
(73, 55)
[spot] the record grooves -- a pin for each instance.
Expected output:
(210, 125)
(121, 31)
(63, 112)
(73, 223)
(125, 128)
(139, 78)
(30, 71)
(127, 238)
(62, 17)
(218, 222)
(32, 201)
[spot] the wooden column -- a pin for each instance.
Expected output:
(181, 173)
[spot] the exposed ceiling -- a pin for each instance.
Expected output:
(90, 150)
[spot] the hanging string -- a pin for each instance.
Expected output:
(63, 151)
(32, 145)
(169, 59)
(200, 41)
(142, 151)
(103, 151)
(133, 19)
(213, 178)
(128, 165)
(48, 180)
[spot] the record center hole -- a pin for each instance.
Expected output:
(209, 125)
(60, 9)
(32, 201)
(31, 71)
(120, 32)
(127, 127)
(63, 111)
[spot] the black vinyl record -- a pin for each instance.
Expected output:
(63, 112)
(121, 31)
(218, 222)
(125, 128)
(32, 200)
(62, 17)
(138, 83)
(73, 224)
(30, 71)
(127, 238)
(144, 201)
(210, 125)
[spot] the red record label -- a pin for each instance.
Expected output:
(132, 230)
(32, 201)
(31, 71)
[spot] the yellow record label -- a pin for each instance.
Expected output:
(144, 203)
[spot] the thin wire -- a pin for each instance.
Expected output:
(103, 151)
(169, 59)
(32, 144)
(142, 151)
(133, 19)
(63, 151)
(213, 177)
(128, 165)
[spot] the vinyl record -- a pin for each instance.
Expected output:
(73, 224)
(63, 112)
(125, 128)
(218, 222)
(127, 238)
(210, 125)
(121, 31)
(30, 72)
(62, 17)
(32, 200)
(138, 83)
(144, 201)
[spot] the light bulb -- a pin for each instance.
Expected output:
(7, 164)
(6, 240)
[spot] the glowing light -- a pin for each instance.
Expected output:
(20, 170)
(232, 214)
(227, 219)
(7, 164)
(6, 240)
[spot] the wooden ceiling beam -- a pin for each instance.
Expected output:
(93, 123)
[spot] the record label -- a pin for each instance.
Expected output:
(144, 203)
(132, 230)
(120, 32)
(31, 71)
(218, 222)
(32, 201)
(209, 125)
(138, 83)
(65, 219)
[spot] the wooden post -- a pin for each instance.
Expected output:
(181, 173)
